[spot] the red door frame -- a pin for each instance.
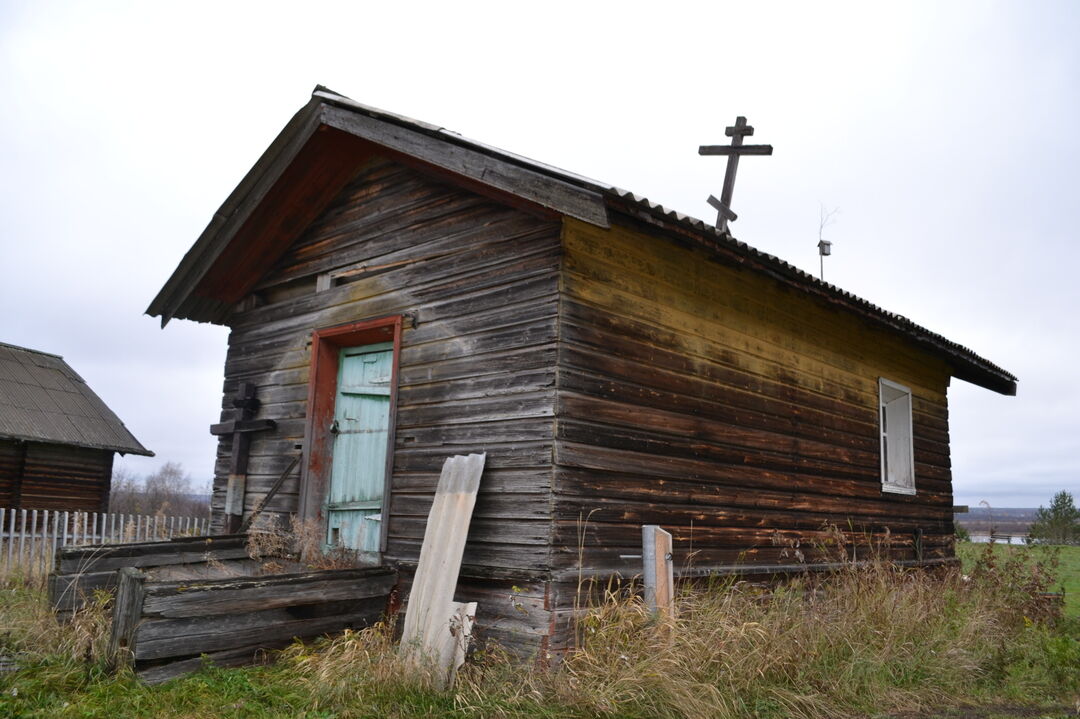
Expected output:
(326, 346)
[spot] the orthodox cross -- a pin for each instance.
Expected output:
(241, 430)
(733, 151)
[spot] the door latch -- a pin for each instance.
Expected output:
(334, 428)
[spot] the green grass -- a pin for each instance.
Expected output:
(874, 642)
(1068, 569)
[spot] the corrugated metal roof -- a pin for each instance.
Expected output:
(897, 321)
(42, 399)
(980, 371)
(176, 298)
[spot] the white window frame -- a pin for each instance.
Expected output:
(895, 429)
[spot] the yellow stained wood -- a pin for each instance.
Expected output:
(715, 296)
(703, 339)
(749, 292)
(777, 333)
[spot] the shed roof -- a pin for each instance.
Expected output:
(43, 400)
(251, 230)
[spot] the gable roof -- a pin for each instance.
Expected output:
(43, 400)
(319, 150)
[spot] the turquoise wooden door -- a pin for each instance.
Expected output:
(361, 431)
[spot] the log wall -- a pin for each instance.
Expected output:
(738, 414)
(477, 371)
(53, 476)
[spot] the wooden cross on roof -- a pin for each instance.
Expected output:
(733, 151)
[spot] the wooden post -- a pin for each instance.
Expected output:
(659, 570)
(126, 614)
(22, 535)
(11, 540)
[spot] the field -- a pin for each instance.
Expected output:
(877, 642)
(1066, 558)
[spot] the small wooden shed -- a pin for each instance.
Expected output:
(397, 293)
(57, 438)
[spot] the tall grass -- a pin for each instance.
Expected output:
(30, 630)
(874, 639)
(864, 639)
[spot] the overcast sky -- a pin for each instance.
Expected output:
(948, 134)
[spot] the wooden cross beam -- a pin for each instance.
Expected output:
(241, 430)
(733, 151)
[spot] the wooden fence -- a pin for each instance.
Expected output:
(29, 538)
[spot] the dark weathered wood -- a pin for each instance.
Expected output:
(127, 613)
(261, 504)
(69, 592)
(226, 632)
(184, 599)
(235, 211)
(575, 201)
(182, 550)
(737, 150)
(242, 425)
(81, 570)
(156, 673)
(173, 623)
(614, 377)
(59, 477)
(733, 152)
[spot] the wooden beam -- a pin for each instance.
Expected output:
(445, 152)
(659, 572)
(739, 150)
(242, 426)
(127, 611)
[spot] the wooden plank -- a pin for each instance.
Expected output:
(153, 673)
(68, 592)
(127, 611)
(430, 609)
(569, 199)
(658, 571)
(186, 599)
(239, 628)
(183, 550)
(235, 210)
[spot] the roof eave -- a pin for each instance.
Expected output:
(232, 213)
(547, 187)
(137, 448)
(965, 364)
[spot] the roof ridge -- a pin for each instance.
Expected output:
(10, 346)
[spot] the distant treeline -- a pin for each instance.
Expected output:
(1001, 520)
(169, 491)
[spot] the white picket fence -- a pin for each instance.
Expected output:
(29, 537)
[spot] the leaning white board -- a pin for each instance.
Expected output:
(430, 633)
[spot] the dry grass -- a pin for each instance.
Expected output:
(300, 541)
(862, 640)
(30, 628)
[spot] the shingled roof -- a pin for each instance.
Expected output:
(43, 400)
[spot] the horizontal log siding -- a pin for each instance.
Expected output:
(62, 477)
(476, 375)
(740, 416)
(11, 454)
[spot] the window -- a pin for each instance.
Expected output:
(897, 449)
